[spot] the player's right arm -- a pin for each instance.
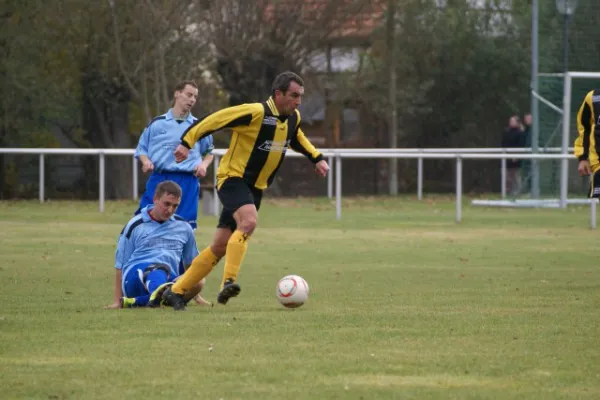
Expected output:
(141, 151)
(125, 248)
(229, 117)
(118, 292)
(584, 128)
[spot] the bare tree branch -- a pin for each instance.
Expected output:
(117, 43)
(157, 86)
(145, 103)
(163, 77)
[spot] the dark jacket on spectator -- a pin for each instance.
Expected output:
(512, 138)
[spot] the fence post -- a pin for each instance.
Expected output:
(458, 189)
(338, 187)
(42, 177)
(503, 177)
(135, 179)
(330, 178)
(101, 182)
(564, 163)
(420, 178)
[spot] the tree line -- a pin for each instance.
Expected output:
(97, 72)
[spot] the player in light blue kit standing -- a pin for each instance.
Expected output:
(150, 250)
(155, 151)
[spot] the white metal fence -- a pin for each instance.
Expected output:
(336, 155)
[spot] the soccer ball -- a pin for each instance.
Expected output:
(292, 291)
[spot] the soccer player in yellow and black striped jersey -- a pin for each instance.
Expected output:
(587, 144)
(262, 133)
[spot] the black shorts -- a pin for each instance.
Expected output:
(235, 193)
(594, 191)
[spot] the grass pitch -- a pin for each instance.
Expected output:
(405, 304)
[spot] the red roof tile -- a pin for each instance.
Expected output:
(360, 23)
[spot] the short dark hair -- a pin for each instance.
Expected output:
(168, 187)
(283, 80)
(181, 85)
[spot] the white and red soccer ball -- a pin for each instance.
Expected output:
(292, 291)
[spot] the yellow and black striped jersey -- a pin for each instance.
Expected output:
(260, 139)
(587, 144)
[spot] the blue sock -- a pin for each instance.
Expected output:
(155, 279)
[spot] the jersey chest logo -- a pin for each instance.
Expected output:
(272, 145)
(270, 121)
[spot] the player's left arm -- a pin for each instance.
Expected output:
(205, 147)
(302, 145)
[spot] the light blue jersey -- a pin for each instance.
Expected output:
(144, 240)
(163, 135)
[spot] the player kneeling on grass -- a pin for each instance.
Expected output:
(151, 251)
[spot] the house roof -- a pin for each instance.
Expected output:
(352, 21)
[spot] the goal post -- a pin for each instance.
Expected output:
(566, 127)
(556, 98)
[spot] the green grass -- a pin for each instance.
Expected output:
(405, 304)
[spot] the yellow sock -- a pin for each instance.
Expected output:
(236, 250)
(201, 266)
